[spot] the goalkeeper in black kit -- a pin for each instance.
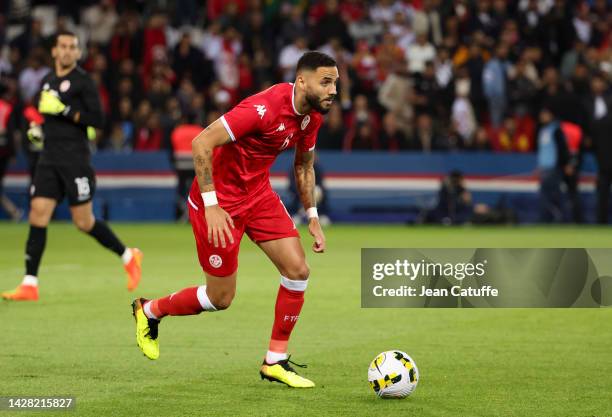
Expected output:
(70, 105)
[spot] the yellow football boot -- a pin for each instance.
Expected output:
(282, 372)
(146, 330)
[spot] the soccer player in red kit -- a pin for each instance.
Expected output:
(231, 195)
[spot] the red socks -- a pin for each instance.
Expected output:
(289, 303)
(186, 302)
(194, 300)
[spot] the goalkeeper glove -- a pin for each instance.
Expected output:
(50, 103)
(35, 135)
(91, 133)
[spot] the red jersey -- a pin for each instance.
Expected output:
(261, 127)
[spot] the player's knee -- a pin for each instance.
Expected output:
(300, 271)
(83, 224)
(39, 215)
(222, 301)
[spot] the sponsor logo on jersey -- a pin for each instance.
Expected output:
(64, 86)
(261, 110)
(305, 121)
(215, 261)
(281, 127)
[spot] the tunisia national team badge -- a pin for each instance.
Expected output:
(215, 261)
(305, 121)
(64, 86)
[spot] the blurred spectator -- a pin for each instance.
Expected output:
(482, 141)
(30, 39)
(402, 30)
(181, 138)
(361, 137)
(583, 22)
(289, 57)
(427, 92)
(154, 41)
(365, 66)
(599, 128)
(426, 138)
(463, 119)
(420, 52)
(362, 126)
(99, 20)
(150, 136)
(512, 135)
(332, 132)
(32, 75)
(383, 11)
(391, 138)
(522, 89)
(7, 149)
(389, 57)
(124, 43)
(571, 58)
(574, 137)
(494, 84)
(331, 25)
(553, 163)
(294, 26)
(189, 62)
(429, 20)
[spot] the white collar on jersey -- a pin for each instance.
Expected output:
(292, 101)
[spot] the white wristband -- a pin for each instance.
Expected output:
(210, 198)
(312, 213)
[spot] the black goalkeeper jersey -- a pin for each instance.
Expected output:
(65, 141)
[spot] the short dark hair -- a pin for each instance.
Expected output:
(312, 60)
(63, 33)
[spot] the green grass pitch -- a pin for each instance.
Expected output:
(79, 339)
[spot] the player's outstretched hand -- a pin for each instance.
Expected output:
(219, 226)
(314, 227)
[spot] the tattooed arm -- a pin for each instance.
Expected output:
(202, 148)
(217, 219)
(303, 167)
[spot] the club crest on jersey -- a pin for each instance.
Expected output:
(305, 121)
(215, 261)
(64, 86)
(261, 110)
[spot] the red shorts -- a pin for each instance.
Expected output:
(266, 219)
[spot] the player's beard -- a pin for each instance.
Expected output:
(316, 103)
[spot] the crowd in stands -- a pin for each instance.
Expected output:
(421, 75)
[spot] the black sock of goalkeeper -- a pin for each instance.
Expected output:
(105, 236)
(35, 246)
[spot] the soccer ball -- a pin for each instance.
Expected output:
(393, 374)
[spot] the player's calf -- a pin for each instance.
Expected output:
(186, 302)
